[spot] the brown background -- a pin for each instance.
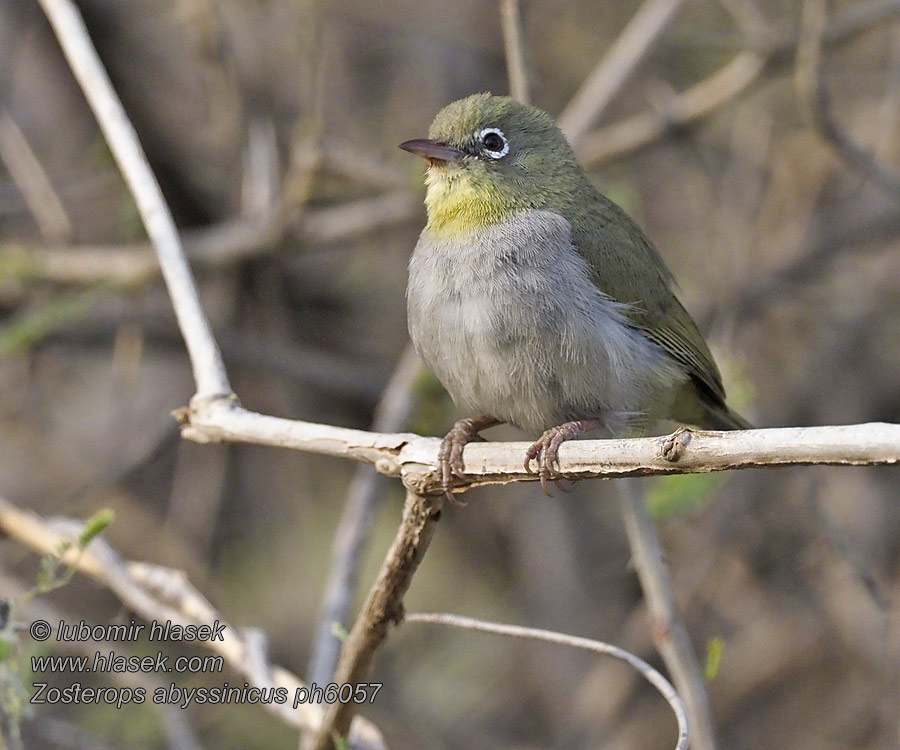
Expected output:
(786, 255)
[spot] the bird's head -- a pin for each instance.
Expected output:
(490, 157)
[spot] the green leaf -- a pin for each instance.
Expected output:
(339, 631)
(95, 525)
(681, 494)
(714, 648)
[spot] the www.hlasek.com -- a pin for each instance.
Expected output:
(106, 662)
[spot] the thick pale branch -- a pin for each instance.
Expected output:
(414, 458)
(223, 420)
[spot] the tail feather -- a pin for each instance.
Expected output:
(720, 417)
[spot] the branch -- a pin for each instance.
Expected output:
(227, 243)
(383, 607)
(810, 81)
(175, 725)
(667, 625)
(30, 177)
(514, 46)
(620, 61)
(721, 87)
(414, 458)
(209, 370)
(698, 101)
(598, 647)
(158, 593)
(353, 529)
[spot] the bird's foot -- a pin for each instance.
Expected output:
(450, 454)
(545, 451)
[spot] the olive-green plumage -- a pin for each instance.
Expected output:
(515, 225)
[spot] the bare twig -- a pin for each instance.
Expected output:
(748, 17)
(383, 607)
(209, 370)
(158, 593)
(620, 61)
(359, 217)
(572, 641)
(174, 723)
(227, 243)
(811, 85)
(667, 625)
(260, 186)
(513, 25)
(25, 169)
(361, 166)
(134, 264)
(352, 533)
(698, 101)
(721, 87)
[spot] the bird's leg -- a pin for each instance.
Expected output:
(546, 449)
(450, 454)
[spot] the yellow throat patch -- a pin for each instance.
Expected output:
(457, 204)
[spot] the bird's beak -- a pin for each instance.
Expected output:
(432, 151)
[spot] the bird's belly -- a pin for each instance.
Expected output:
(533, 371)
(530, 341)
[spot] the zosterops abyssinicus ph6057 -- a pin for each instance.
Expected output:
(536, 300)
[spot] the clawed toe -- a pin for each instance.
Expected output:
(545, 451)
(450, 454)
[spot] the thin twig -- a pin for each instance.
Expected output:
(810, 82)
(227, 243)
(209, 370)
(513, 26)
(572, 641)
(359, 217)
(175, 725)
(696, 102)
(667, 625)
(748, 17)
(352, 533)
(383, 607)
(158, 593)
(721, 87)
(30, 177)
(260, 183)
(620, 61)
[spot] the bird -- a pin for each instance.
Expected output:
(537, 301)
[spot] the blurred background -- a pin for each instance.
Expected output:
(272, 126)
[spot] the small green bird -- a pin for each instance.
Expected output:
(537, 301)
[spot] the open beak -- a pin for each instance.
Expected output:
(432, 151)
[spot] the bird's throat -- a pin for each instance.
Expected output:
(457, 204)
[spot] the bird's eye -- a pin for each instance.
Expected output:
(494, 143)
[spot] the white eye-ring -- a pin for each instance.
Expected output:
(494, 142)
